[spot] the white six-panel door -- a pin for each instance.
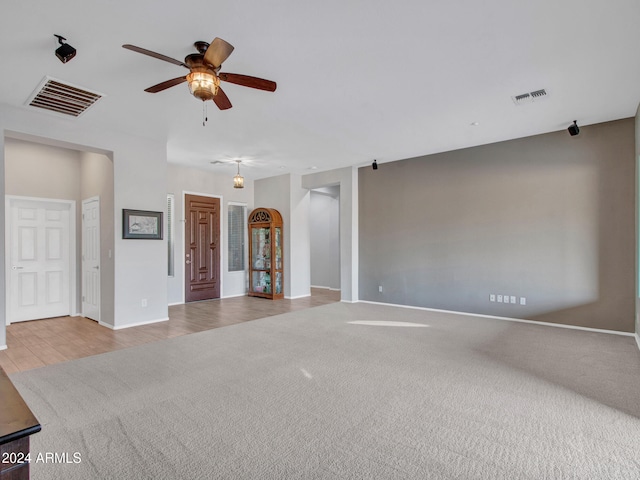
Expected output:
(91, 258)
(39, 248)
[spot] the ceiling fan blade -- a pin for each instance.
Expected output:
(218, 52)
(159, 56)
(221, 100)
(248, 81)
(166, 84)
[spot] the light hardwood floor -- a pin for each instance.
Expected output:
(45, 342)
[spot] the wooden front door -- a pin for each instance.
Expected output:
(202, 248)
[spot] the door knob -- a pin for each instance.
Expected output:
(188, 262)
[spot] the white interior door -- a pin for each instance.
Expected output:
(39, 259)
(91, 258)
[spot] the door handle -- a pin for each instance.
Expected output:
(188, 262)
(17, 268)
(96, 268)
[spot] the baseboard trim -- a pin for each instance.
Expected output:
(299, 296)
(638, 340)
(326, 288)
(353, 301)
(3, 347)
(138, 324)
(219, 298)
(508, 319)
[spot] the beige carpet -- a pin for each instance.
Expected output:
(308, 395)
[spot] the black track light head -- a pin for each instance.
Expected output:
(574, 129)
(374, 165)
(65, 52)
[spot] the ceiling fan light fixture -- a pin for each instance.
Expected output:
(204, 77)
(238, 180)
(203, 85)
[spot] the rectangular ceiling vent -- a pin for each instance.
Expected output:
(57, 96)
(529, 97)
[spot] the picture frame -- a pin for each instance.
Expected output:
(141, 224)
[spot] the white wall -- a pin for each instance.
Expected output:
(195, 181)
(140, 173)
(3, 285)
(96, 180)
(285, 194)
(324, 242)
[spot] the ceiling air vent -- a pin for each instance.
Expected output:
(529, 97)
(57, 96)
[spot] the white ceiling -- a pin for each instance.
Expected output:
(357, 80)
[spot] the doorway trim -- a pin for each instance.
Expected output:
(84, 202)
(184, 221)
(73, 253)
(347, 179)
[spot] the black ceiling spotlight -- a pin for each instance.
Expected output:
(65, 52)
(375, 165)
(573, 129)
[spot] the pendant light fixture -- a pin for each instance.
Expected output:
(238, 180)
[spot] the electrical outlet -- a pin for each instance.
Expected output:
(512, 299)
(523, 300)
(492, 298)
(499, 298)
(379, 288)
(143, 302)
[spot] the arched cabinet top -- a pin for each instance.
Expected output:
(265, 215)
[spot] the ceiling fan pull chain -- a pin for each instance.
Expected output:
(204, 113)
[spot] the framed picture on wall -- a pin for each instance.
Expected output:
(141, 224)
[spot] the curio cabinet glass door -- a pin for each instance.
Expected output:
(266, 277)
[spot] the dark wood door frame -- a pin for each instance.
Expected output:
(202, 247)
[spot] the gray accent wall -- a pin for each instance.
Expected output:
(548, 218)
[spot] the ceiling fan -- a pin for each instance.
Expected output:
(204, 76)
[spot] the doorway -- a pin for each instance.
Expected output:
(40, 253)
(324, 209)
(202, 247)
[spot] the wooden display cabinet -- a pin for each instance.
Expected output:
(266, 277)
(17, 423)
